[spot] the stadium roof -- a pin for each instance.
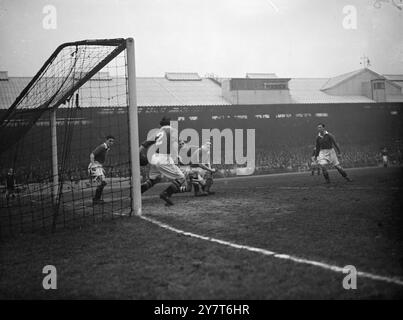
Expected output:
(394, 77)
(3, 75)
(160, 91)
(182, 76)
(305, 90)
(335, 81)
(10, 89)
(151, 92)
(332, 82)
(163, 92)
(261, 75)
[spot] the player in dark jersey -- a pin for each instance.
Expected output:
(95, 168)
(11, 185)
(325, 153)
(384, 154)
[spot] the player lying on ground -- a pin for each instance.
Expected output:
(325, 153)
(201, 170)
(162, 164)
(95, 168)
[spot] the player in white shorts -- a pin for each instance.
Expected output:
(162, 163)
(384, 154)
(326, 155)
(95, 168)
(202, 170)
(198, 171)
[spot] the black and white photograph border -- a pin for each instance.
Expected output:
(216, 152)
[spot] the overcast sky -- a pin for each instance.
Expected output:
(292, 38)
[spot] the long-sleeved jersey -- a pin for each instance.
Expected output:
(100, 153)
(325, 141)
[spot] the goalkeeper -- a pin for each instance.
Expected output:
(95, 168)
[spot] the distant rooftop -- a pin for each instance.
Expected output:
(182, 76)
(308, 90)
(189, 89)
(3, 75)
(332, 82)
(394, 77)
(261, 75)
(151, 92)
(164, 92)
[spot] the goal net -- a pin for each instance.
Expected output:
(80, 96)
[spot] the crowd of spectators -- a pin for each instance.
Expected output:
(267, 160)
(298, 159)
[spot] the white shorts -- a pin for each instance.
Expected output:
(385, 158)
(201, 172)
(196, 174)
(328, 156)
(314, 164)
(96, 171)
(163, 164)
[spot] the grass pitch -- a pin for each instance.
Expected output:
(341, 224)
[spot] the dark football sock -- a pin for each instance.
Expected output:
(326, 175)
(171, 190)
(99, 190)
(180, 186)
(148, 184)
(196, 188)
(167, 193)
(342, 172)
(209, 183)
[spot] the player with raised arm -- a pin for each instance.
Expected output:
(325, 153)
(95, 168)
(162, 163)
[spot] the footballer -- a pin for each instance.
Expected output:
(325, 153)
(95, 168)
(162, 164)
(384, 154)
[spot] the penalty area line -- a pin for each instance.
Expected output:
(265, 252)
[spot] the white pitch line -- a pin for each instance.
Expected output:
(120, 213)
(265, 252)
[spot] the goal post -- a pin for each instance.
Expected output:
(55, 162)
(84, 92)
(133, 128)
